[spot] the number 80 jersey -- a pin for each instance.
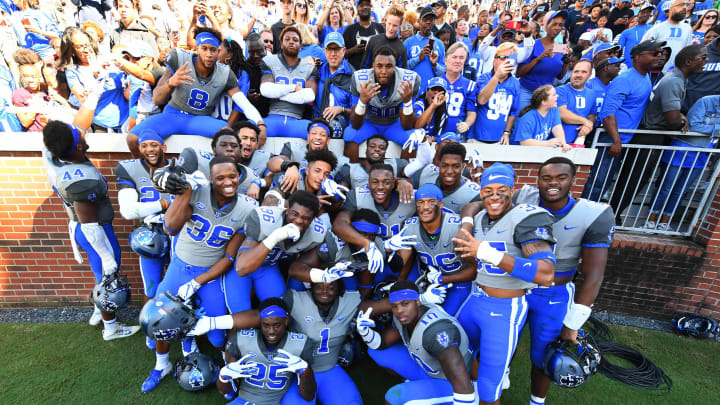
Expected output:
(284, 74)
(384, 109)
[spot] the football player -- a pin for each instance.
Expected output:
(584, 231)
(290, 83)
(384, 95)
(357, 174)
(251, 156)
(315, 178)
(208, 220)
(435, 230)
(193, 84)
(84, 191)
(457, 191)
(514, 252)
(272, 234)
(436, 355)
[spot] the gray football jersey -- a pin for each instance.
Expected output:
(134, 173)
(200, 97)
(391, 220)
(79, 182)
(327, 334)
(505, 236)
(439, 253)
(414, 342)
(267, 386)
(283, 74)
(384, 109)
(586, 223)
(454, 200)
(359, 176)
(258, 162)
(335, 250)
(263, 220)
(204, 237)
(192, 160)
(296, 152)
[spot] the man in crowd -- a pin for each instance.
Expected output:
(393, 20)
(358, 35)
(576, 102)
(675, 32)
(425, 52)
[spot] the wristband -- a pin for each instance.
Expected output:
(287, 163)
(360, 108)
(463, 398)
(524, 269)
(468, 220)
(407, 108)
(576, 316)
(230, 258)
(257, 183)
(543, 256)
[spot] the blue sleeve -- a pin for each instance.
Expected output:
(419, 107)
(524, 128)
(72, 78)
(698, 112)
(616, 93)
(563, 96)
(244, 82)
(554, 117)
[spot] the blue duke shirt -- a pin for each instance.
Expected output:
(461, 99)
(424, 68)
(533, 125)
(493, 115)
(626, 99)
(580, 102)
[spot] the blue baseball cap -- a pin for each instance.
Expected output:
(437, 82)
(609, 61)
(557, 13)
(449, 136)
(334, 38)
(501, 173)
(603, 46)
(429, 190)
(357, 2)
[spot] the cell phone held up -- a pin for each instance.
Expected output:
(431, 43)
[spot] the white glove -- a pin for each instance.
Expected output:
(207, 323)
(489, 254)
(375, 258)
(293, 363)
(238, 369)
(332, 188)
(400, 241)
(475, 159)
(289, 231)
(425, 153)
(153, 219)
(435, 294)
(331, 274)
(364, 325)
(188, 289)
(434, 276)
(414, 139)
(196, 179)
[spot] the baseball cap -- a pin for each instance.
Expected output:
(603, 46)
(357, 2)
(609, 61)
(437, 82)
(647, 6)
(647, 45)
(556, 13)
(429, 190)
(138, 49)
(449, 136)
(587, 36)
(334, 38)
(427, 11)
(442, 3)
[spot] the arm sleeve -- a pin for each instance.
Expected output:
(600, 232)
(131, 208)
(303, 96)
(275, 90)
(252, 226)
(534, 228)
(439, 336)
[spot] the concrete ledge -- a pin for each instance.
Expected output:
(32, 142)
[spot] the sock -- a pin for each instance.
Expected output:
(96, 311)
(536, 401)
(161, 360)
(111, 325)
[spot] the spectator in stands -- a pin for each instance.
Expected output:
(310, 47)
(704, 23)
(93, 10)
(287, 7)
(601, 33)
(440, 7)
(711, 34)
(407, 29)
(708, 81)
(425, 52)
(606, 69)
(674, 31)
(576, 104)
(589, 24)
(632, 36)
(300, 12)
(575, 15)
(498, 98)
(623, 108)
(431, 108)
(130, 27)
(95, 31)
(461, 108)
(393, 20)
(461, 32)
(540, 120)
(358, 35)
(544, 63)
(332, 19)
(38, 25)
(684, 168)
(268, 41)
(334, 98)
(619, 17)
(31, 97)
(137, 63)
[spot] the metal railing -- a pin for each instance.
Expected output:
(655, 189)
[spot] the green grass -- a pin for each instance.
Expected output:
(70, 364)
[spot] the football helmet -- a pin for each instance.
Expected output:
(197, 371)
(149, 242)
(111, 293)
(695, 325)
(167, 318)
(570, 365)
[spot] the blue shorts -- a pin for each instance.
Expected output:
(547, 308)
(397, 359)
(289, 127)
(267, 281)
(335, 386)
(209, 296)
(393, 132)
(493, 326)
(173, 121)
(93, 256)
(435, 391)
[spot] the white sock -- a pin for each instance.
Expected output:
(536, 401)
(161, 361)
(111, 325)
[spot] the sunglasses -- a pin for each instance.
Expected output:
(301, 5)
(711, 17)
(502, 57)
(267, 41)
(406, 27)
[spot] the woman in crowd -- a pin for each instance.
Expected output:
(331, 20)
(704, 23)
(539, 124)
(481, 54)
(310, 45)
(461, 32)
(431, 108)
(78, 58)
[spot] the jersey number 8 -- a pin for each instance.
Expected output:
(198, 99)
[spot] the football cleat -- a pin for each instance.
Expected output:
(120, 332)
(154, 379)
(96, 317)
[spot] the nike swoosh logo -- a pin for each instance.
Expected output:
(341, 318)
(234, 220)
(496, 176)
(448, 244)
(527, 265)
(501, 231)
(494, 314)
(553, 302)
(567, 228)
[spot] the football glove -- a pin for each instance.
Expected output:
(289, 231)
(196, 180)
(169, 179)
(414, 140)
(332, 188)
(331, 274)
(292, 363)
(187, 290)
(364, 327)
(150, 220)
(435, 294)
(434, 276)
(375, 258)
(400, 241)
(475, 159)
(238, 369)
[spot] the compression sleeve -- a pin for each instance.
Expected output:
(274, 90)
(246, 106)
(303, 96)
(131, 208)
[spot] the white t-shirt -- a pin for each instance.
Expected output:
(677, 36)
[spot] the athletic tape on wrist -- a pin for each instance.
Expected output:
(576, 316)
(360, 108)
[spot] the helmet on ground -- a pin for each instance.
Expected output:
(149, 242)
(570, 365)
(695, 325)
(197, 371)
(167, 318)
(111, 293)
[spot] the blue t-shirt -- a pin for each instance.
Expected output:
(461, 99)
(532, 125)
(432, 128)
(629, 38)
(626, 99)
(328, 29)
(600, 89)
(580, 102)
(424, 68)
(544, 72)
(493, 115)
